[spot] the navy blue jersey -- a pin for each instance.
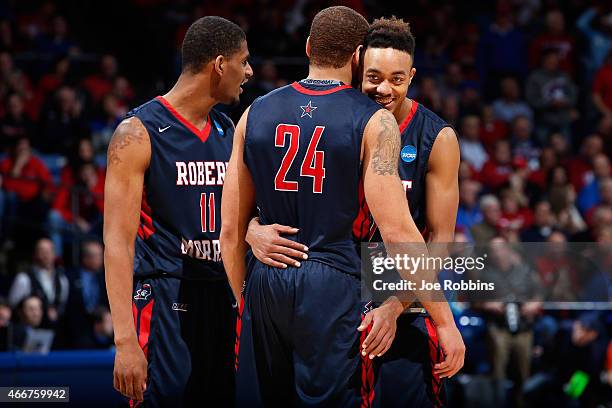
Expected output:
(418, 132)
(180, 218)
(302, 147)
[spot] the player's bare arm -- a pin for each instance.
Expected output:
(270, 247)
(442, 195)
(442, 187)
(386, 199)
(129, 153)
(236, 209)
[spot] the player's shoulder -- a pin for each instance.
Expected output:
(144, 108)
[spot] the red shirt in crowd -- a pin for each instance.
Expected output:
(494, 175)
(602, 85)
(561, 42)
(580, 172)
(33, 181)
(491, 132)
(90, 202)
(521, 219)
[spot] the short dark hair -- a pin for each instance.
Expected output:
(207, 38)
(335, 33)
(390, 33)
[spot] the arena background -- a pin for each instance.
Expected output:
(527, 84)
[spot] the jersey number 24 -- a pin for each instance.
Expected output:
(312, 165)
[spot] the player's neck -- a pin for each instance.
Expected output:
(191, 99)
(343, 74)
(403, 110)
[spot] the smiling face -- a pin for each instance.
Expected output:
(387, 74)
(236, 72)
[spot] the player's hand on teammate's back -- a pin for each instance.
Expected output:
(130, 374)
(383, 320)
(271, 248)
(454, 351)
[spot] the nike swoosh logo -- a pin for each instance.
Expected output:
(161, 130)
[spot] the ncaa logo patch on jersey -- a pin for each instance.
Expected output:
(143, 293)
(408, 154)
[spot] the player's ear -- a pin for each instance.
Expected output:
(357, 54)
(411, 75)
(219, 64)
(308, 47)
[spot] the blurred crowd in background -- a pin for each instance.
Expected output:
(527, 85)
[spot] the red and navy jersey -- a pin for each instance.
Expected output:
(180, 218)
(302, 147)
(418, 132)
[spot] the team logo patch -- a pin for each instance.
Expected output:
(308, 109)
(143, 293)
(409, 153)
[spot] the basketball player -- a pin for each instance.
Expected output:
(428, 167)
(170, 301)
(297, 155)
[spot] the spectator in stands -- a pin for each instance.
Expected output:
(88, 194)
(511, 313)
(562, 198)
(555, 37)
(515, 213)
(580, 346)
(497, 170)
(543, 223)
(87, 289)
(509, 105)
(472, 150)
(522, 142)
(27, 183)
(82, 153)
(596, 25)
(468, 213)
(57, 42)
(552, 95)
(101, 83)
(51, 81)
(15, 124)
(30, 313)
(45, 280)
(502, 50)
(112, 112)
(557, 269)
(605, 196)
(602, 88)
(6, 329)
(100, 334)
(486, 230)
(64, 123)
(429, 95)
(581, 167)
(449, 110)
(491, 128)
(548, 164)
(590, 195)
(453, 80)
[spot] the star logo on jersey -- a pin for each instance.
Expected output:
(308, 109)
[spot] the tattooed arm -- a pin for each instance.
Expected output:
(386, 199)
(383, 188)
(129, 153)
